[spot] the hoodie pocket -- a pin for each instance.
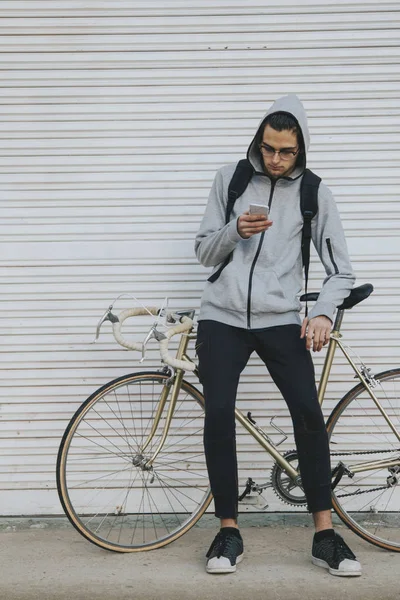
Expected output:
(268, 295)
(228, 291)
(331, 256)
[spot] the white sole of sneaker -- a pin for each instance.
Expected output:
(222, 570)
(322, 563)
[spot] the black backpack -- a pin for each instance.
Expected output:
(308, 205)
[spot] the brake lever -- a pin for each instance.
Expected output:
(153, 333)
(108, 316)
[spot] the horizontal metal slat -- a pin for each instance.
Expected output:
(146, 25)
(172, 41)
(76, 8)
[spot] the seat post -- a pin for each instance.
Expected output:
(338, 320)
(329, 357)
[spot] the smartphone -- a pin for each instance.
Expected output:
(259, 209)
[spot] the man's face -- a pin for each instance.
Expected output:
(279, 164)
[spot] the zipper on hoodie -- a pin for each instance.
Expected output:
(273, 183)
(330, 250)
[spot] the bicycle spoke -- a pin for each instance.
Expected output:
(84, 509)
(182, 439)
(173, 492)
(160, 515)
(122, 422)
(177, 481)
(87, 481)
(182, 469)
(387, 504)
(94, 456)
(152, 516)
(137, 517)
(118, 455)
(124, 503)
(186, 458)
(168, 500)
(108, 440)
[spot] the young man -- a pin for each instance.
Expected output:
(253, 306)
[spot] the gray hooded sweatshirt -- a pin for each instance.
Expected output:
(260, 286)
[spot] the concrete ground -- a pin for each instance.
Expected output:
(58, 564)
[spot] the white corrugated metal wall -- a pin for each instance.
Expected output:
(114, 117)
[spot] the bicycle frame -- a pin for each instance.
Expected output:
(175, 382)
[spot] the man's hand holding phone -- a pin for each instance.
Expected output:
(255, 220)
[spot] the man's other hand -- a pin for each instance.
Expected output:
(317, 332)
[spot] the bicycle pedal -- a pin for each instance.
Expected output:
(254, 501)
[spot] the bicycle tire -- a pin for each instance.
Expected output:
(369, 439)
(115, 408)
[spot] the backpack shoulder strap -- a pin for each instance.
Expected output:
(238, 184)
(309, 192)
(309, 208)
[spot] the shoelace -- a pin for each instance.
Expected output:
(342, 551)
(222, 544)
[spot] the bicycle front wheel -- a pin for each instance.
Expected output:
(368, 498)
(106, 490)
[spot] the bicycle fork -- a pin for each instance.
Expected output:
(175, 382)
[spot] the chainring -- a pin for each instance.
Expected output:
(284, 487)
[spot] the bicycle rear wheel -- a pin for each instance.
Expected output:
(104, 487)
(369, 501)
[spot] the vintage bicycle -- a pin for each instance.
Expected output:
(131, 471)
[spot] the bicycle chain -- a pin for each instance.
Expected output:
(364, 452)
(359, 492)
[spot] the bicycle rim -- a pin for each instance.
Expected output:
(369, 501)
(105, 489)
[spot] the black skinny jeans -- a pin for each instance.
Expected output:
(223, 353)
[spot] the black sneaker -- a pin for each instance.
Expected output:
(225, 552)
(334, 554)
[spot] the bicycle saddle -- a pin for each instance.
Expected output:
(357, 295)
